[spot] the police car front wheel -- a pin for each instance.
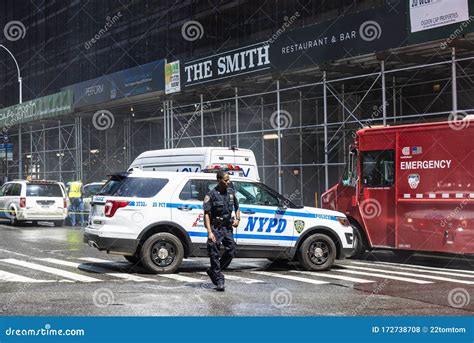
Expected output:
(162, 253)
(317, 252)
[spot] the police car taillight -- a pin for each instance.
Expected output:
(111, 206)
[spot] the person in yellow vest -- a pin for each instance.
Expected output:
(77, 205)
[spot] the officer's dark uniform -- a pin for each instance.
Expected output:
(220, 206)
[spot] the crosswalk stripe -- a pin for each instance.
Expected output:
(291, 277)
(334, 276)
(97, 260)
(419, 270)
(96, 269)
(55, 271)
(182, 278)
(440, 278)
(392, 277)
(10, 277)
(425, 267)
(238, 278)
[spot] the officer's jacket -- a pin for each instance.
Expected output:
(220, 205)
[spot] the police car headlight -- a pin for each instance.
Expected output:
(343, 221)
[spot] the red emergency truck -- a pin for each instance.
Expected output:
(410, 188)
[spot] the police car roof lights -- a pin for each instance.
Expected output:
(225, 167)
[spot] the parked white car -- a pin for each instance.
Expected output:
(36, 200)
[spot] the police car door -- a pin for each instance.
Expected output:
(187, 208)
(264, 218)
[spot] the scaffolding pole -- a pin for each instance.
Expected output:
(202, 118)
(20, 158)
(326, 157)
(237, 117)
(384, 93)
(279, 137)
(454, 80)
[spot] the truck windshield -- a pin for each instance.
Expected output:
(378, 168)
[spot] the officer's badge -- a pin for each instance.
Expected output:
(207, 198)
(299, 226)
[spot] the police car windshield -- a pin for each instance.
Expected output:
(140, 187)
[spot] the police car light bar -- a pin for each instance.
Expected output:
(232, 169)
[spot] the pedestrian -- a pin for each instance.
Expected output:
(77, 204)
(218, 206)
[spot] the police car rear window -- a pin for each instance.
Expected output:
(139, 187)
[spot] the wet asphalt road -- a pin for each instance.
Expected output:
(49, 271)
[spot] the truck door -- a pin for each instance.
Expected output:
(376, 199)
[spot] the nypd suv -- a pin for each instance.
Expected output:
(156, 218)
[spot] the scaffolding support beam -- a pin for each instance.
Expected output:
(454, 80)
(326, 157)
(384, 93)
(279, 136)
(236, 116)
(201, 113)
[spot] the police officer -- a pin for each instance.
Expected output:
(218, 206)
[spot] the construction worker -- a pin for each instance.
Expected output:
(77, 205)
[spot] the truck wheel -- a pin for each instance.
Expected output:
(133, 259)
(58, 223)
(317, 252)
(359, 244)
(162, 253)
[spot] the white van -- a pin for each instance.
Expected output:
(197, 159)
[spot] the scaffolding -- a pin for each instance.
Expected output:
(299, 124)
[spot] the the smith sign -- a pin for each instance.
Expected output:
(250, 59)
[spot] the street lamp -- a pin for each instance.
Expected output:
(17, 69)
(20, 92)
